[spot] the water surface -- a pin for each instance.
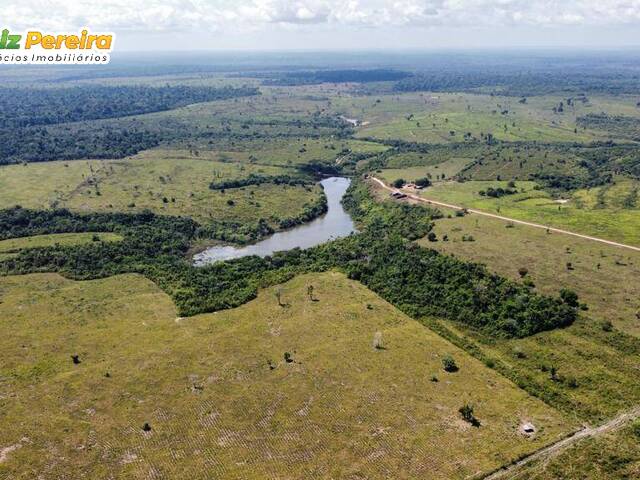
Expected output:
(336, 223)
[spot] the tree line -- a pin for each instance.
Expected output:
(382, 256)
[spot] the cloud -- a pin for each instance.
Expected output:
(234, 15)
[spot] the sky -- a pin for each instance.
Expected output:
(174, 25)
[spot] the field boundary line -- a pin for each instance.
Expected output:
(500, 217)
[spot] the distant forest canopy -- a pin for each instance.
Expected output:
(21, 107)
(523, 84)
(336, 76)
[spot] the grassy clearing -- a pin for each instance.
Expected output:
(165, 182)
(605, 277)
(290, 152)
(448, 168)
(613, 456)
(582, 213)
(595, 365)
(222, 401)
(12, 246)
(444, 118)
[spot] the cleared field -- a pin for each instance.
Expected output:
(605, 277)
(448, 168)
(291, 152)
(613, 456)
(581, 214)
(14, 245)
(444, 118)
(222, 401)
(165, 182)
(521, 162)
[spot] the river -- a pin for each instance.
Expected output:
(336, 223)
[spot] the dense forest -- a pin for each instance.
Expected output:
(121, 137)
(20, 107)
(421, 282)
(522, 83)
(258, 179)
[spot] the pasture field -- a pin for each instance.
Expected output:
(221, 399)
(449, 168)
(604, 276)
(12, 246)
(608, 219)
(583, 370)
(292, 152)
(613, 456)
(165, 182)
(451, 117)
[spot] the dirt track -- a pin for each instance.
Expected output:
(507, 219)
(555, 448)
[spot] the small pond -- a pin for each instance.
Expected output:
(336, 223)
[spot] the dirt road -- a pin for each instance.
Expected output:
(500, 217)
(555, 448)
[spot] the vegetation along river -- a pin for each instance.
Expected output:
(336, 223)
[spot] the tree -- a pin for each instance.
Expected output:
(522, 271)
(423, 182)
(399, 183)
(432, 237)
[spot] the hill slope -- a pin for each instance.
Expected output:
(222, 401)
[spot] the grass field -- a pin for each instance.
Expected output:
(165, 182)
(448, 117)
(582, 213)
(448, 168)
(613, 456)
(12, 246)
(603, 276)
(221, 400)
(291, 152)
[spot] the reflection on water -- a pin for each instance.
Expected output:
(334, 224)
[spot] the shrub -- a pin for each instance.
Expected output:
(449, 364)
(467, 415)
(569, 297)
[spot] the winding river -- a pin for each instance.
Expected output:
(336, 223)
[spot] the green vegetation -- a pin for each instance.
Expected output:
(100, 377)
(613, 456)
(257, 179)
(11, 247)
(604, 276)
(419, 282)
(29, 107)
(167, 183)
(213, 394)
(606, 217)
